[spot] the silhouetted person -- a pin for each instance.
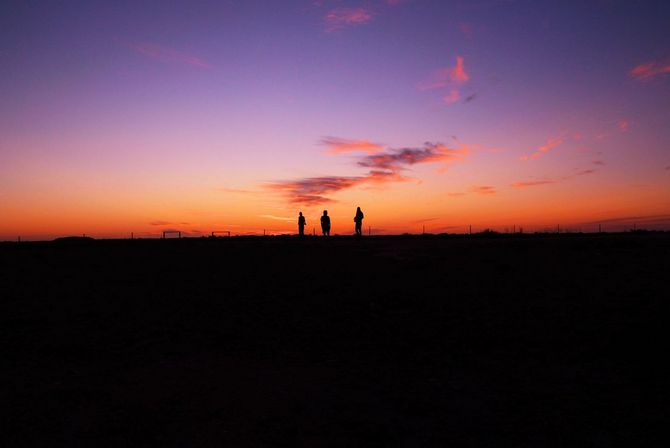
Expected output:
(325, 223)
(301, 224)
(358, 219)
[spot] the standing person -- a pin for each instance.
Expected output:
(358, 219)
(325, 223)
(301, 224)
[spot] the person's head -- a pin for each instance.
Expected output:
(325, 213)
(300, 213)
(358, 209)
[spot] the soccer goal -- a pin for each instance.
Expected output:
(171, 232)
(221, 232)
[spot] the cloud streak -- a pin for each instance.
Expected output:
(447, 76)
(537, 183)
(532, 183)
(383, 167)
(551, 144)
(167, 223)
(396, 159)
(315, 190)
(167, 55)
(336, 145)
(451, 78)
(649, 70)
(483, 189)
(452, 97)
(340, 18)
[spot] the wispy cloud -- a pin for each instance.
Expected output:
(339, 18)
(336, 145)
(532, 183)
(383, 167)
(649, 70)
(452, 97)
(447, 76)
(458, 74)
(466, 29)
(451, 78)
(167, 55)
(315, 190)
(584, 172)
(277, 218)
(667, 168)
(483, 189)
(539, 182)
(552, 143)
(396, 159)
(167, 223)
(623, 125)
(599, 162)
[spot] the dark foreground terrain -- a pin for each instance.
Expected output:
(523, 341)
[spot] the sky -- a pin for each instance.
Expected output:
(147, 116)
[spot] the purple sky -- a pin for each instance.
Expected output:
(116, 115)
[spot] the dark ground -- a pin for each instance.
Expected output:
(386, 341)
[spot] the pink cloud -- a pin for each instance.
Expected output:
(341, 17)
(536, 183)
(585, 172)
(167, 223)
(458, 73)
(167, 55)
(552, 143)
(649, 70)
(315, 190)
(532, 183)
(383, 168)
(623, 125)
(452, 96)
(466, 29)
(336, 145)
(483, 189)
(447, 76)
(395, 159)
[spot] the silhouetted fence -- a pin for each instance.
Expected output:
(172, 232)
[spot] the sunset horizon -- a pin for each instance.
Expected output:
(334, 223)
(430, 116)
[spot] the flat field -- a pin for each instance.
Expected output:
(407, 341)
